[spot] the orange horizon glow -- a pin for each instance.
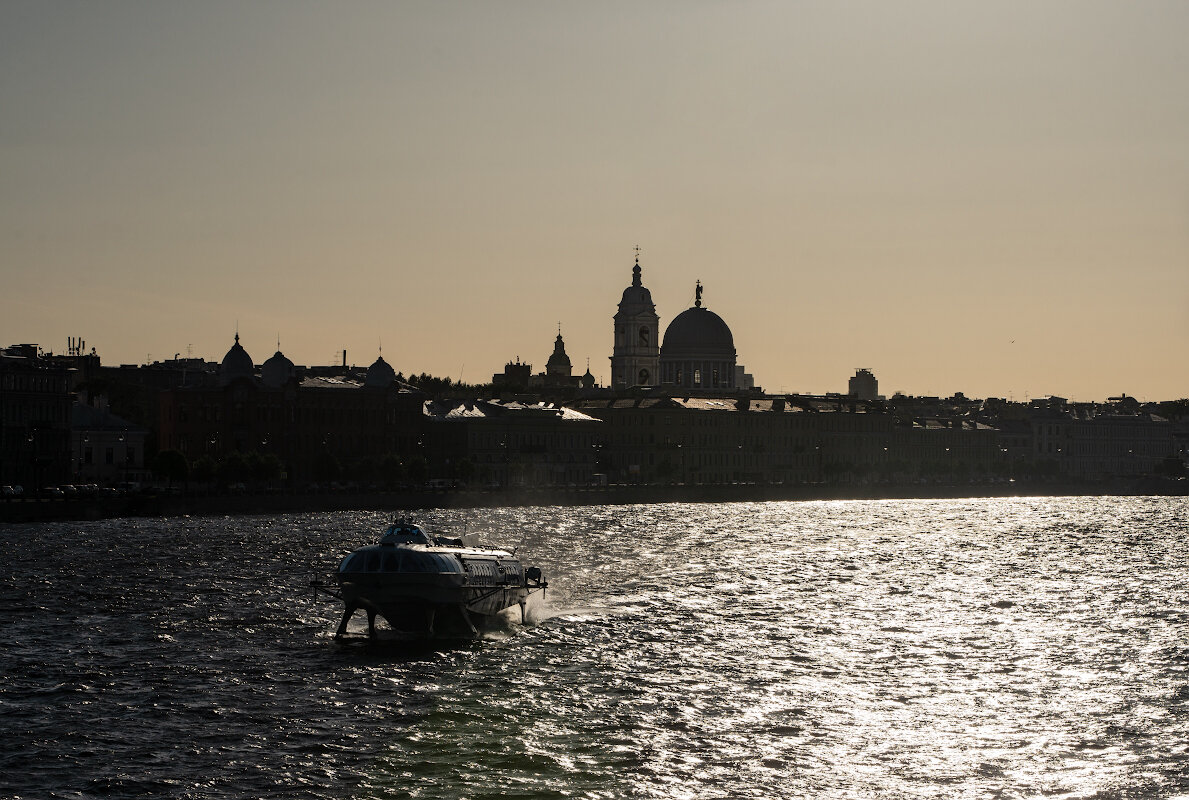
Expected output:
(962, 197)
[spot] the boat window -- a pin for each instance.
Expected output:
(405, 534)
(373, 562)
(390, 562)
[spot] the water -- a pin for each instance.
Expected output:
(980, 648)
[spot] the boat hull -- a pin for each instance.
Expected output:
(428, 604)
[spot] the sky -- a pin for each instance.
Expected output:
(990, 198)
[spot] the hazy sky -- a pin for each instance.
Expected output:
(987, 197)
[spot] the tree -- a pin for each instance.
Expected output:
(327, 467)
(233, 468)
(392, 471)
(1172, 466)
(418, 469)
(466, 470)
(171, 465)
(203, 469)
(265, 467)
(365, 469)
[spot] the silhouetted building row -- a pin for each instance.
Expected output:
(313, 425)
(512, 443)
(712, 440)
(69, 419)
(558, 374)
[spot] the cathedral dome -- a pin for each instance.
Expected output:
(380, 374)
(277, 371)
(698, 331)
(236, 364)
(698, 351)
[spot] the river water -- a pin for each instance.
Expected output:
(1033, 647)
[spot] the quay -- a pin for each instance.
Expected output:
(171, 504)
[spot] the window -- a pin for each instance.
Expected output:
(697, 377)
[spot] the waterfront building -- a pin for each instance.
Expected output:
(635, 359)
(1103, 445)
(315, 425)
(106, 449)
(511, 443)
(35, 401)
(515, 376)
(792, 439)
(558, 372)
(863, 385)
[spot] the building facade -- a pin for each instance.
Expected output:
(511, 443)
(308, 423)
(35, 419)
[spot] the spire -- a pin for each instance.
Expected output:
(698, 295)
(636, 269)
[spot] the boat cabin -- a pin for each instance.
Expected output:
(381, 558)
(402, 532)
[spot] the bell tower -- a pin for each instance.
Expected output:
(635, 360)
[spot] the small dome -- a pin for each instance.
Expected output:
(698, 331)
(636, 298)
(558, 360)
(236, 364)
(588, 380)
(277, 371)
(380, 375)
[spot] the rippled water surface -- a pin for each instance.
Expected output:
(980, 648)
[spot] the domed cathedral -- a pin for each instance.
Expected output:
(635, 361)
(698, 351)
